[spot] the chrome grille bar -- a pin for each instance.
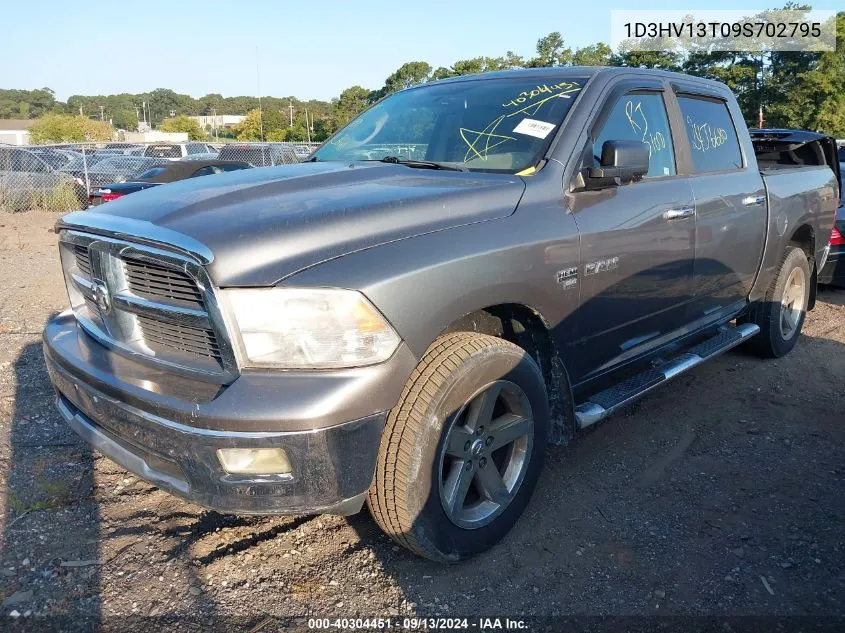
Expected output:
(149, 303)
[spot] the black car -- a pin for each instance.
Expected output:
(833, 272)
(162, 174)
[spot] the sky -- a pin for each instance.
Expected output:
(311, 50)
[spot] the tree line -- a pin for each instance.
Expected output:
(794, 89)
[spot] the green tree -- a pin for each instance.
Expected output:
(183, 123)
(551, 51)
(250, 128)
(476, 65)
(827, 83)
(350, 104)
(209, 103)
(124, 119)
(162, 101)
(67, 128)
(407, 75)
(648, 59)
(274, 122)
(593, 55)
(25, 104)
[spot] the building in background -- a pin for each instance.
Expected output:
(153, 136)
(15, 131)
(219, 121)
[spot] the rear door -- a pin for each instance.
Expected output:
(729, 199)
(637, 240)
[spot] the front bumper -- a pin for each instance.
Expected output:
(166, 429)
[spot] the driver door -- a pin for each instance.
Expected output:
(637, 241)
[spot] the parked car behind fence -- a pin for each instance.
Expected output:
(27, 181)
(170, 171)
(261, 154)
(60, 177)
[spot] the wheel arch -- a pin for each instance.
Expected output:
(524, 326)
(804, 237)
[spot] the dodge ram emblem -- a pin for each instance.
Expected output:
(102, 297)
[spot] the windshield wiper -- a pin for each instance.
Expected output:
(420, 164)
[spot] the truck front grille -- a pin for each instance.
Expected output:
(155, 282)
(146, 301)
(160, 336)
(83, 261)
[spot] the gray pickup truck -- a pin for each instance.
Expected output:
(468, 271)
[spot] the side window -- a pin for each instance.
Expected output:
(712, 137)
(641, 116)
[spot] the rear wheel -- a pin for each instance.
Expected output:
(781, 314)
(462, 449)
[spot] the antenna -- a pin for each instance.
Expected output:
(258, 90)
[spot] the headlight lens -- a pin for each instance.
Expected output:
(309, 328)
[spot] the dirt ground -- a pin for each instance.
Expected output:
(723, 494)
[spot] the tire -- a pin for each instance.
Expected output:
(460, 378)
(773, 341)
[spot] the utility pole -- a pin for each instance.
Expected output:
(101, 114)
(137, 118)
(258, 90)
(307, 126)
(214, 121)
(290, 105)
(80, 111)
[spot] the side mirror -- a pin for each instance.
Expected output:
(621, 162)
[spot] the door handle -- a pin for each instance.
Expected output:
(753, 201)
(676, 214)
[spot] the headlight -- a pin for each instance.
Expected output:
(299, 328)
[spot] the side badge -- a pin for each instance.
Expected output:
(594, 268)
(567, 278)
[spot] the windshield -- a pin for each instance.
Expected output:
(164, 151)
(124, 165)
(152, 173)
(496, 125)
(79, 161)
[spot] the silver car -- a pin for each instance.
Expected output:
(27, 181)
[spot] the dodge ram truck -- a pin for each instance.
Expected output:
(410, 328)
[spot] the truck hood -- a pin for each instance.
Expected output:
(262, 225)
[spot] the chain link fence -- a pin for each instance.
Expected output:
(62, 177)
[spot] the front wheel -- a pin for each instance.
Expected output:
(462, 450)
(780, 314)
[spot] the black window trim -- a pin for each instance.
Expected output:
(713, 97)
(640, 86)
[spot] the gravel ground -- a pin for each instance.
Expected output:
(723, 494)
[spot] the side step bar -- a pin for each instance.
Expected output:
(602, 404)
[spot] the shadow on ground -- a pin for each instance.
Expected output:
(721, 494)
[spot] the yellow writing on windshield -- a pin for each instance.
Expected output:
(528, 96)
(480, 142)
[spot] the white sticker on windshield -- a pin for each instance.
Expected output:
(532, 127)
